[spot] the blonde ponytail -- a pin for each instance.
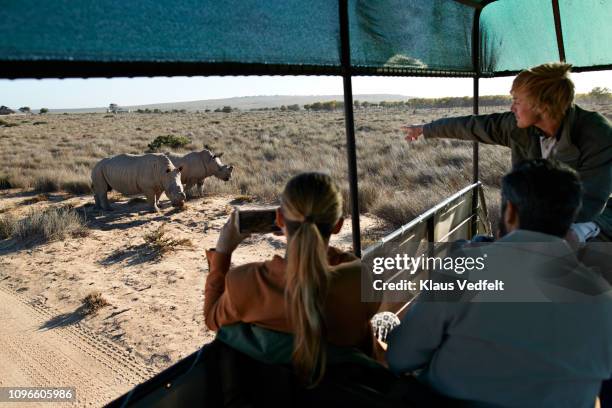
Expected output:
(311, 205)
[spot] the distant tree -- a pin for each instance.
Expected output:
(283, 108)
(42, 111)
(112, 108)
(294, 107)
(24, 109)
(598, 93)
(168, 140)
(226, 109)
(356, 104)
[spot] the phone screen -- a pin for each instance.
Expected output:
(257, 220)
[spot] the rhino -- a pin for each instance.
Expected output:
(199, 165)
(148, 174)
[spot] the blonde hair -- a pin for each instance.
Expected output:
(548, 87)
(311, 204)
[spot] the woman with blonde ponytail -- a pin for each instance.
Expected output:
(313, 292)
(544, 122)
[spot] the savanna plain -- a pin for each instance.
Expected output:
(136, 278)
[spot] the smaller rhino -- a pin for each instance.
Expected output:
(199, 165)
(148, 174)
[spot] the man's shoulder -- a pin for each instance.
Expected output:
(591, 120)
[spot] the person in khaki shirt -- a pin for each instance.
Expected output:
(313, 292)
(544, 122)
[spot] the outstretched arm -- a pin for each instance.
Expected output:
(491, 129)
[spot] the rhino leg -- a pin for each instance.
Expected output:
(152, 201)
(97, 205)
(187, 188)
(105, 203)
(200, 191)
(100, 189)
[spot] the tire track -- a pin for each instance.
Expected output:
(66, 356)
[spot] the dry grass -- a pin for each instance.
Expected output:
(397, 180)
(93, 302)
(7, 225)
(51, 224)
(36, 199)
(159, 244)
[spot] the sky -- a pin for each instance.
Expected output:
(99, 92)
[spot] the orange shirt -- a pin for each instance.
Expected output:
(255, 293)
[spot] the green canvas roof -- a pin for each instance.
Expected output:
(59, 38)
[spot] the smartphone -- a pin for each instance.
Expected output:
(261, 220)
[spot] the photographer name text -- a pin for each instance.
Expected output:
(431, 285)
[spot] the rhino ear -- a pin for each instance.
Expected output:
(206, 147)
(219, 155)
(168, 169)
(180, 169)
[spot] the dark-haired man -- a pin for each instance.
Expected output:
(544, 342)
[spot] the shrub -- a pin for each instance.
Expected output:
(46, 184)
(159, 244)
(168, 140)
(77, 187)
(7, 124)
(42, 111)
(49, 225)
(7, 225)
(93, 302)
(5, 183)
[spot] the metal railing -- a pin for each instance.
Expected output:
(461, 216)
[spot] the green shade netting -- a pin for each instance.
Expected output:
(270, 31)
(587, 30)
(407, 35)
(517, 34)
(416, 34)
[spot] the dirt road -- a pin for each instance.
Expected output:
(38, 348)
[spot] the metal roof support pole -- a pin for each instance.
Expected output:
(475, 165)
(558, 30)
(475, 150)
(349, 120)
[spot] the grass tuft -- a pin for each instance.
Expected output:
(5, 183)
(51, 224)
(93, 302)
(7, 225)
(46, 184)
(159, 244)
(36, 199)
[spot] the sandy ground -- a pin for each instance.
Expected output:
(37, 349)
(155, 304)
